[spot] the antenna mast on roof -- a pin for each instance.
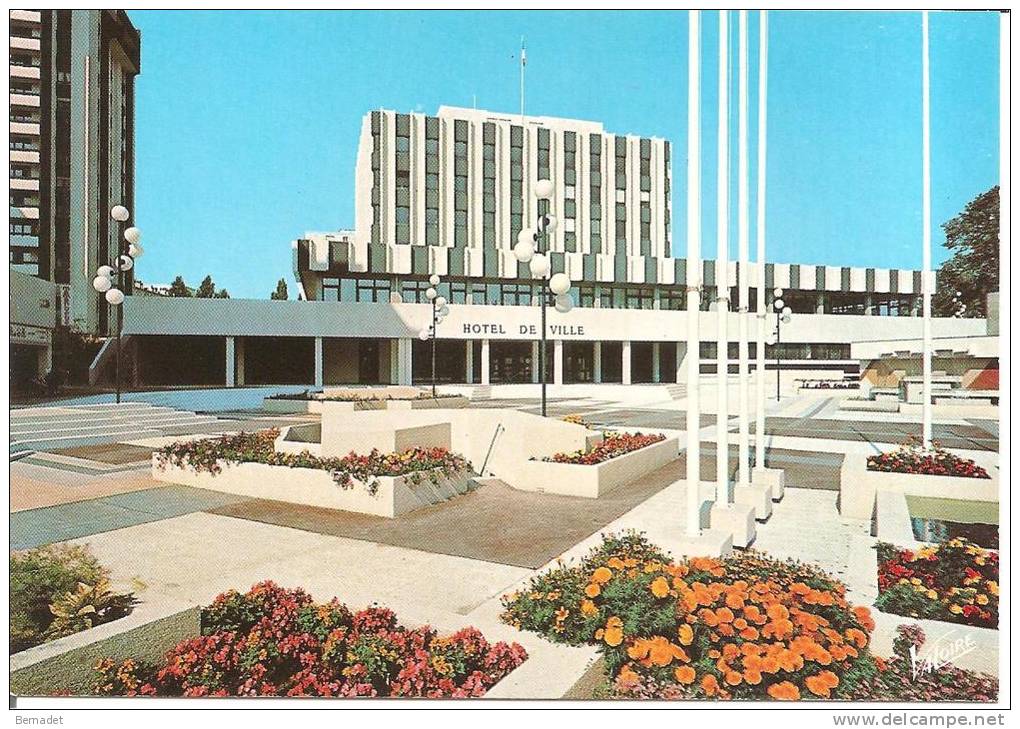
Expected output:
(524, 62)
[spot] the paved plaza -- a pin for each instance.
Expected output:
(447, 564)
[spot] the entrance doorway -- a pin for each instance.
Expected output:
(612, 361)
(578, 362)
(641, 362)
(510, 362)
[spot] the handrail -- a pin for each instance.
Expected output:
(495, 434)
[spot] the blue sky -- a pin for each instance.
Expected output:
(248, 122)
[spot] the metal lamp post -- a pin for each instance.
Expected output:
(439, 312)
(530, 247)
(129, 248)
(783, 316)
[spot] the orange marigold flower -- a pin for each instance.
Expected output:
(627, 676)
(864, 617)
(659, 587)
(613, 634)
(602, 575)
(685, 675)
(749, 633)
(710, 684)
(752, 677)
(593, 590)
(799, 588)
(784, 691)
(588, 608)
(708, 617)
(777, 611)
(724, 615)
(822, 683)
(616, 563)
(733, 678)
(685, 634)
(857, 636)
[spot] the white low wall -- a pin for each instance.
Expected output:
(859, 487)
(289, 406)
(386, 431)
(395, 495)
(871, 406)
(314, 405)
(592, 481)
(980, 651)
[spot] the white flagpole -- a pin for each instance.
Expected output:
(693, 274)
(743, 477)
(722, 458)
(763, 56)
(926, 215)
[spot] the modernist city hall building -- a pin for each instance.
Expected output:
(448, 195)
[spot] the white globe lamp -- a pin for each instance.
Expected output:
(433, 280)
(444, 311)
(133, 235)
(548, 223)
(539, 265)
(115, 297)
(430, 293)
(779, 303)
(135, 251)
(543, 189)
(564, 303)
(440, 301)
(102, 284)
(423, 335)
(524, 250)
(559, 283)
(778, 293)
(119, 213)
(126, 263)
(105, 271)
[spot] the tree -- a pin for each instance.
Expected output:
(222, 294)
(966, 279)
(281, 291)
(179, 288)
(206, 289)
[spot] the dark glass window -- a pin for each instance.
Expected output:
(373, 289)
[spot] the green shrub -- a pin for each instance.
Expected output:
(47, 575)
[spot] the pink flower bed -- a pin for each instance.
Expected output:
(612, 445)
(272, 641)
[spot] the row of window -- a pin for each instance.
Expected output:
(379, 290)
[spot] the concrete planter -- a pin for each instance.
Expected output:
(314, 405)
(859, 487)
(871, 406)
(571, 479)
(980, 646)
(395, 495)
(288, 406)
(826, 391)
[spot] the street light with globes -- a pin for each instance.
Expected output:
(440, 310)
(783, 316)
(129, 248)
(532, 248)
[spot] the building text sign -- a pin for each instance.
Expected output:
(522, 330)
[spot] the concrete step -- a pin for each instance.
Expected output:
(92, 417)
(19, 448)
(53, 429)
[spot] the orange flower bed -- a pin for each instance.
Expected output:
(747, 627)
